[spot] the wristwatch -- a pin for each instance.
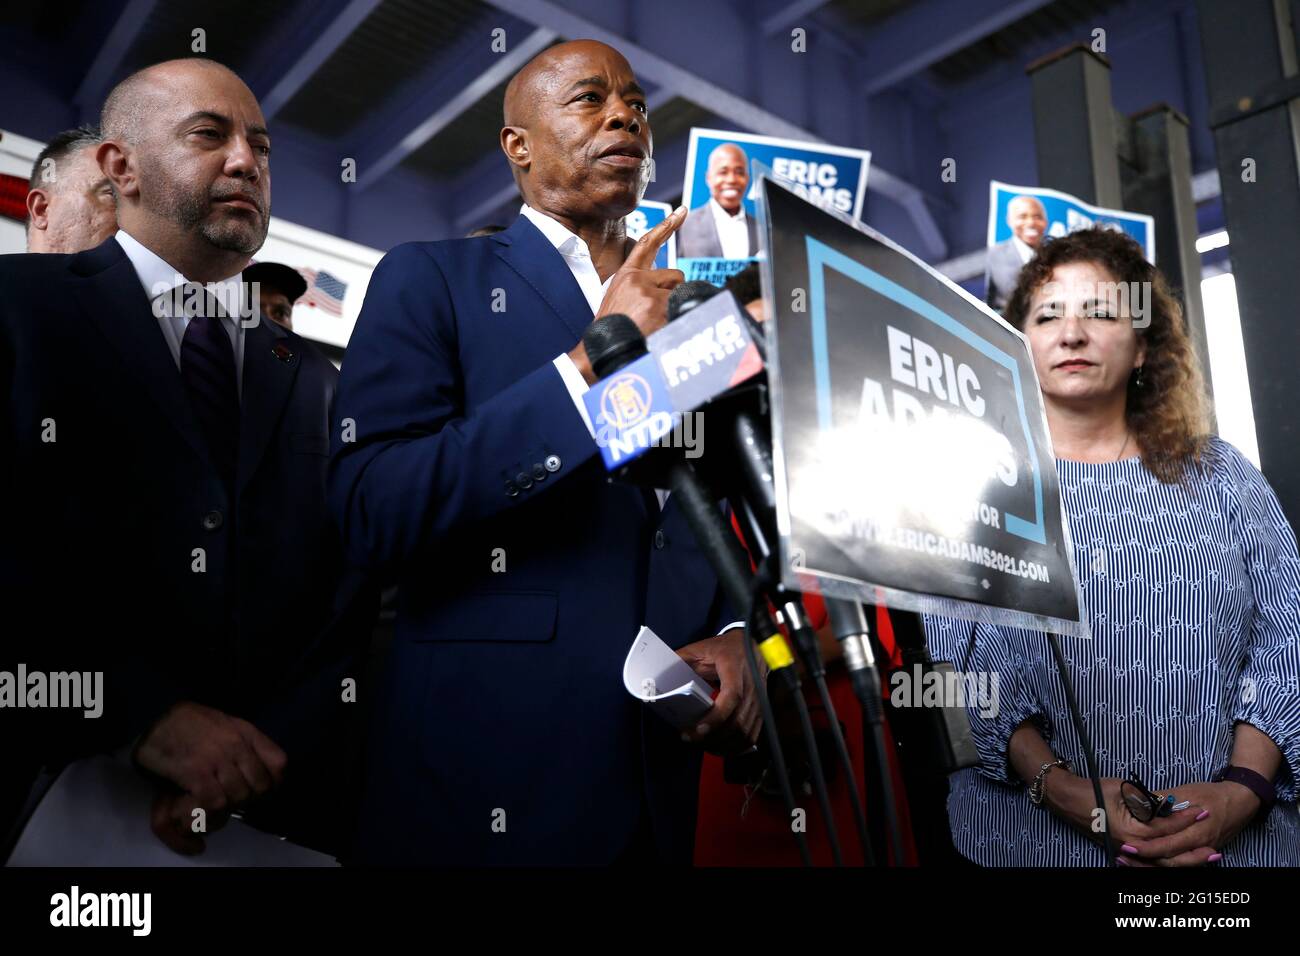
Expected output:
(1255, 783)
(1036, 788)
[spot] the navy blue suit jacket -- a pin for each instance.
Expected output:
(523, 574)
(107, 491)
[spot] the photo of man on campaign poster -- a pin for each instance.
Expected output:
(720, 234)
(1022, 218)
(720, 228)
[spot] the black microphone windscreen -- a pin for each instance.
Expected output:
(688, 295)
(612, 341)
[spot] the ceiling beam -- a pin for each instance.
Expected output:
(102, 74)
(444, 97)
(324, 41)
(789, 15)
(907, 42)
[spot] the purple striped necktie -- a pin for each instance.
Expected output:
(208, 370)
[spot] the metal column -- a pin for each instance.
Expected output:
(1074, 125)
(1250, 63)
(1156, 171)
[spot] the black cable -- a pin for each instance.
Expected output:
(769, 723)
(719, 543)
(805, 642)
(866, 685)
(885, 775)
(613, 341)
(855, 797)
(755, 472)
(1089, 756)
(763, 581)
(849, 625)
(819, 778)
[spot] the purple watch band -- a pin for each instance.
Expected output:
(1253, 781)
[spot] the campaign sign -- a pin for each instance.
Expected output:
(913, 465)
(645, 217)
(690, 361)
(1023, 217)
(720, 234)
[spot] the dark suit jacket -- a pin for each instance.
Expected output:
(698, 237)
(1001, 273)
(98, 561)
(523, 574)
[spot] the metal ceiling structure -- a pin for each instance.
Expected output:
(411, 90)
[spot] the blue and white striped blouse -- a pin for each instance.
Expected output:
(1193, 594)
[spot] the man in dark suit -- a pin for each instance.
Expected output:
(164, 497)
(463, 463)
(721, 228)
(1028, 223)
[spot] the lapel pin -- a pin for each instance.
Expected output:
(282, 351)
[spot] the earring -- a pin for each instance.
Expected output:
(1137, 377)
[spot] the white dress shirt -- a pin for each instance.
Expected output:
(578, 258)
(733, 231)
(159, 278)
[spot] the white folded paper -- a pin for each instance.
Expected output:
(654, 674)
(97, 814)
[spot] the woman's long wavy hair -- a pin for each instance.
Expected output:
(1167, 412)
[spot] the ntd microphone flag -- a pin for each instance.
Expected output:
(691, 361)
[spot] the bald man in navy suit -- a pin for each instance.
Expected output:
(464, 463)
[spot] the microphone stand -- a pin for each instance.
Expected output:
(612, 342)
(754, 457)
(725, 554)
(790, 608)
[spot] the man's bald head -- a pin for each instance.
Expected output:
(727, 152)
(129, 104)
(187, 150)
(539, 74)
(1026, 204)
(577, 133)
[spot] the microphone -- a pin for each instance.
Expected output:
(688, 295)
(612, 341)
(651, 386)
(747, 428)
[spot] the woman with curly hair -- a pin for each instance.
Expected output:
(1191, 584)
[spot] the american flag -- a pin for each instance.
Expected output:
(324, 291)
